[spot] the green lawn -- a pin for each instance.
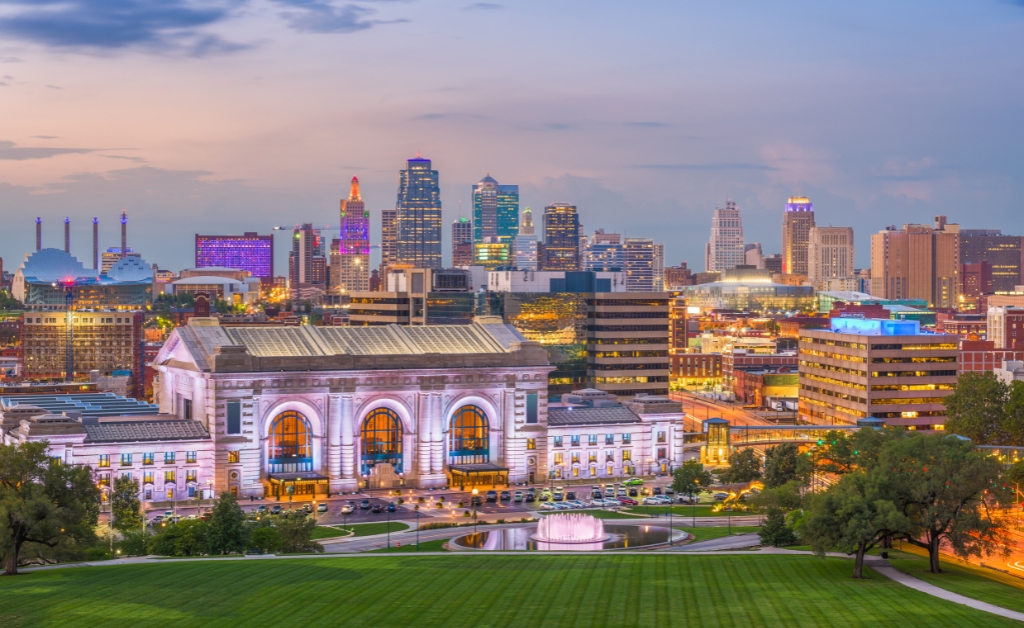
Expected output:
(707, 534)
(425, 546)
(360, 529)
(610, 590)
(979, 583)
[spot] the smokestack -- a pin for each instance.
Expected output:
(67, 234)
(39, 233)
(96, 243)
(124, 234)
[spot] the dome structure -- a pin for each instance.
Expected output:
(54, 265)
(130, 268)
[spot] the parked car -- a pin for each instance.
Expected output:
(391, 507)
(609, 492)
(656, 490)
(627, 501)
(651, 501)
(518, 498)
(570, 495)
(669, 491)
(612, 502)
(633, 482)
(492, 496)
(633, 492)
(321, 508)
(276, 509)
(262, 508)
(686, 499)
(562, 506)
(620, 493)
(531, 496)
(377, 509)
(505, 496)
(549, 506)
(577, 504)
(307, 508)
(721, 496)
(364, 504)
(348, 509)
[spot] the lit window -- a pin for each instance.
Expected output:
(575, 457)
(558, 441)
(190, 456)
(147, 458)
(104, 460)
(661, 437)
(168, 457)
(169, 476)
(190, 475)
(234, 456)
(147, 477)
(531, 443)
(558, 458)
(627, 454)
(126, 460)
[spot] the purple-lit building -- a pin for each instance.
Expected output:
(350, 253)
(249, 251)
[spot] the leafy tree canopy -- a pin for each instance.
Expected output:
(744, 466)
(691, 478)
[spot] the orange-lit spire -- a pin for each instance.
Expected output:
(353, 194)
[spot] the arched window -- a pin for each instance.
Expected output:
(291, 443)
(381, 440)
(469, 437)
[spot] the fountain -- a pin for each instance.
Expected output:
(570, 528)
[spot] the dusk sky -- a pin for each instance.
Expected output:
(231, 116)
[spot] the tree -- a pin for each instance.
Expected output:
(265, 539)
(690, 478)
(774, 532)
(296, 532)
(744, 466)
(784, 463)
(976, 409)
(124, 503)
(135, 543)
(44, 503)
(1013, 422)
(851, 517)
(227, 532)
(190, 538)
(938, 482)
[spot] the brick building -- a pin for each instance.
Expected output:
(978, 356)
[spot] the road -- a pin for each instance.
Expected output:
(698, 409)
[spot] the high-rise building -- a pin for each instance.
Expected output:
(638, 258)
(753, 255)
(561, 248)
(1005, 327)
(773, 263)
(917, 262)
(1002, 252)
(462, 242)
(830, 258)
(605, 252)
(495, 210)
(307, 264)
(105, 340)
(524, 248)
(975, 281)
(418, 218)
(659, 267)
(249, 251)
(491, 253)
(350, 264)
(678, 276)
(725, 250)
(113, 255)
(627, 342)
(388, 240)
(796, 229)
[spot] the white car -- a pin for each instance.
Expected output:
(612, 502)
(686, 499)
(549, 506)
(650, 501)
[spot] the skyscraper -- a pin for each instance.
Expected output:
(1002, 252)
(350, 268)
(249, 251)
(561, 248)
(418, 218)
(796, 228)
(495, 210)
(462, 242)
(830, 258)
(307, 264)
(725, 250)
(605, 252)
(638, 262)
(388, 240)
(917, 262)
(524, 249)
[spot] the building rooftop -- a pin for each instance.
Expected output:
(876, 327)
(580, 415)
(127, 431)
(86, 405)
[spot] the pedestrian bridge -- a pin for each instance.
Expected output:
(741, 436)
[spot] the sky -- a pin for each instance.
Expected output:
(224, 116)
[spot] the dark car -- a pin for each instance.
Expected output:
(625, 501)
(391, 506)
(475, 500)
(505, 496)
(531, 496)
(275, 510)
(633, 492)
(364, 504)
(571, 495)
(492, 496)
(657, 490)
(377, 509)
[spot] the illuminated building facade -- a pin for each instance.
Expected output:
(47, 276)
(725, 250)
(604, 252)
(1001, 252)
(495, 210)
(388, 240)
(249, 251)
(753, 294)
(307, 264)
(879, 368)
(350, 264)
(418, 216)
(917, 262)
(561, 246)
(491, 253)
(797, 223)
(830, 258)
(639, 261)
(628, 342)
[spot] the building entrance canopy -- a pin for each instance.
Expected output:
(303, 483)
(463, 475)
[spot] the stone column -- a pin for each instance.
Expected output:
(334, 436)
(347, 425)
(424, 427)
(436, 434)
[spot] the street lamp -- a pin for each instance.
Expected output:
(209, 491)
(417, 509)
(475, 493)
(389, 529)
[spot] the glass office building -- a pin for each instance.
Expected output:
(418, 216)
(495, 210)
(249, 251)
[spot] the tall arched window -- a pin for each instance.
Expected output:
(381, 440)
(469, 437)
(291, 443)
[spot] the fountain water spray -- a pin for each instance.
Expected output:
(570, 528)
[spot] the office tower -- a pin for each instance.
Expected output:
(773, 263)
(106, 340)
(462, 242)
(561, 248)
(350, 263)
(628, 342)
(605, 252)
(881, 359)
(659, 267)
(830, 258)
(96, 243)
(388, 240)
(495, 210)
(975, 280)
(112, 256)
(249, 251)
(67, 234)
(1002, 252)
(796, 228)
(678, 276)
(725, 250)
(491, 253)
(752, 254)
(307, 265)
(124, 234)
(638, 262)
(418, 218)
(524, 247)
(917, 262)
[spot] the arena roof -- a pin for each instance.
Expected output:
(83, 404)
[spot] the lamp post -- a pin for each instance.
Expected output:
(389, 529)
(110, 521)
(417, 509)
(209, 491)
(475, 493)
(668, 509)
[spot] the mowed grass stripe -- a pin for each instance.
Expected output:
(713, 591)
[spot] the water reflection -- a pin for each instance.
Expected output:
(512, 539)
